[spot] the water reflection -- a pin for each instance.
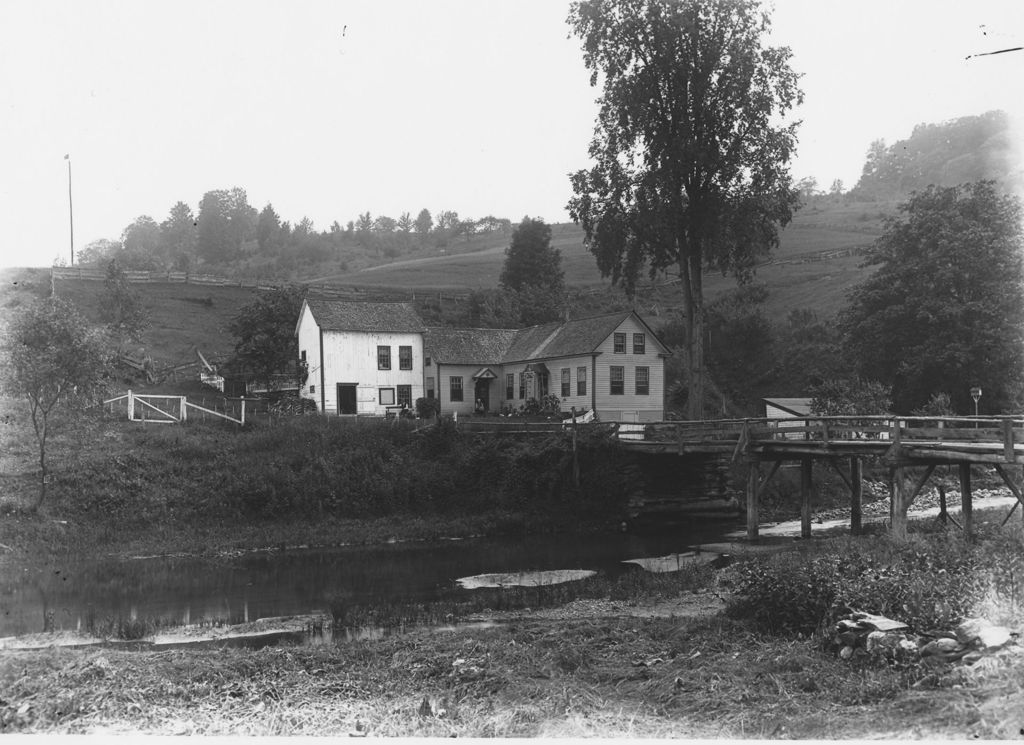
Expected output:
(266, 584)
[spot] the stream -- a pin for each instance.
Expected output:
(272, 583)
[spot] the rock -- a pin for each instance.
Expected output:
(941, 647)
(846, 652)
(979, 633)
(880, 623)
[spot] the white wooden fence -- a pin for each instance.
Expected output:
(165, 409)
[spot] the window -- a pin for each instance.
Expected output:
(522, 385)
(405, 395)
(620, 342)
(566, 382)
(405, 358)
(581, 381)
(426, 362)
(455, 388)
(510, 386)
(618, 384)
(643, 381)
(387, 396)
(430, 387)
(302, 355)
(383, 358)
(639, 343)
(312, 389)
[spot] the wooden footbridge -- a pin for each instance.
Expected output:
(842, 442)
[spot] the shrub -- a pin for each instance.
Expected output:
(929, 584)
(427, 408)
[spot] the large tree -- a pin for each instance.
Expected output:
(530, 260)
(178, 237)
(691, 160)
(56, 362)
(121, 306)
(226, 221)
(945, 309)
(141, 244)
(265, 332)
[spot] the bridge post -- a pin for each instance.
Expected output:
(806, 486)
(898, 505)
(753, 477)
(856, 495)
(966, 501)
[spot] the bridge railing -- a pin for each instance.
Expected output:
(1007, 431)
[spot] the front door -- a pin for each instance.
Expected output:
(346, 398)
(481, 395)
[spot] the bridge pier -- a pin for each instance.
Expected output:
(856, 495)
(806, 496)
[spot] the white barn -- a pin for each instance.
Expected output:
(363, 358)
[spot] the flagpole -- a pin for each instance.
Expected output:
(71, 212)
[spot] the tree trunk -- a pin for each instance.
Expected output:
(693, 323)
(41, 434)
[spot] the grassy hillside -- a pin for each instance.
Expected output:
(184, 317)
(820, 227)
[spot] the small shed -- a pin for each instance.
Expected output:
(789, 412)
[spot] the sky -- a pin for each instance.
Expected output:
(331, 109)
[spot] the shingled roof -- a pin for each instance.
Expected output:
(468, 346)
(581, 336)
(499, 346)
(346, 315)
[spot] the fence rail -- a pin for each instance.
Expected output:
(170, 409)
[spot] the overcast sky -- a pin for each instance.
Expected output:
(329, 109)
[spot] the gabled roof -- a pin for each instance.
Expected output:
(347, 315)
(546, 341)
(581, 336)
(455, 346)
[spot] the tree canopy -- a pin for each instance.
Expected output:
(530, 260)
(54, 360)
(945, 309)
(121, 307)
(265, 331)
(691, 162)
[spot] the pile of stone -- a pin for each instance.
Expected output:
(859, 634)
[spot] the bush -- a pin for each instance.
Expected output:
(929, 584)
(427, 408)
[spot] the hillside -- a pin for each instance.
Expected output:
(186, 317)
(802, 274)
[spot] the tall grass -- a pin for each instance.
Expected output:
(931, 582)
(318, 468)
